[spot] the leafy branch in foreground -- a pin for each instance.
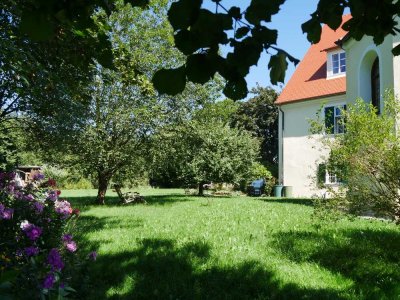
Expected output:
(199, 33)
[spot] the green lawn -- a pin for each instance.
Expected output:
(185, 247)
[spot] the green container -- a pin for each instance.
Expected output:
(278, 191)
(287, 191)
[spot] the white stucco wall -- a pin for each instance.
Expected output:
(299, 151)
(360, 56)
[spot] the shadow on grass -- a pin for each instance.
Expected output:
(84, 203)
(89, 224)
(159, 269)
(167, 199)
(371, 259)
(300, 201)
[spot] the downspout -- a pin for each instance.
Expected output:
(282, 118)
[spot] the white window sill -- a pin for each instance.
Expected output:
(336, 76)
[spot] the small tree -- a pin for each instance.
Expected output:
(367, 159)
(199, 152)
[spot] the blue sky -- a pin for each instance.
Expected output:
(291, 38)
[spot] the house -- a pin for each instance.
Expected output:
(332, 74)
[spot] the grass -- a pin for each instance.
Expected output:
(185, 247)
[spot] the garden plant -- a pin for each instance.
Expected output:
(38, 254)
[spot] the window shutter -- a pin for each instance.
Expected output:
(329, 120)
(321, 173)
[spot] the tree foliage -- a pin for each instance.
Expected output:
(110, 138)
(198, 33)
(259, 115)
(200, 152)
(366, 158)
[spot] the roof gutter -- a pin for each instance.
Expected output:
(281, 156)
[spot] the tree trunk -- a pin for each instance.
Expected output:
(103, 184)
(201, 188)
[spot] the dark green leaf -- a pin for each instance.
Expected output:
(262, 10)
(170, 81)
(277, 66)
(199, 68)
(234, 12)
(396, 50)
(241, 32)
(265, 35)
(313, 29)
(186, 41)
(330, 13)
(104, 54)
(246, 54)
(183, 13)
(140, 3)
(36, 25)
(209, 29)
(236, 89)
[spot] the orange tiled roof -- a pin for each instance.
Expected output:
(309, 79)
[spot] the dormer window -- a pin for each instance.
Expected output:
(336, 64)
(339, 63)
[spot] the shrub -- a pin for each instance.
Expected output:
(366, 157)
(67, 178)
(38, 254)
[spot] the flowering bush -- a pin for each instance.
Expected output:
(37, 255)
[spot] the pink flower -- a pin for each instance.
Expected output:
(71, 246)
(63, 207)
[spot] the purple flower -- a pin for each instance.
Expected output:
(92, 255)
(63, 208)
(19, 195)
(29, 197)
(52, 196)
(67, 237)
(70, 246)
(38, 206)
(7, 214)
(11, 187)
(38, 176)
(32, 232)
(31, 251)
(49, 281)
(54, 260)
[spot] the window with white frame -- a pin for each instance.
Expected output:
(327, 177)
(331, 178)
(334, 120)
(339, 63)
(336, 65)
